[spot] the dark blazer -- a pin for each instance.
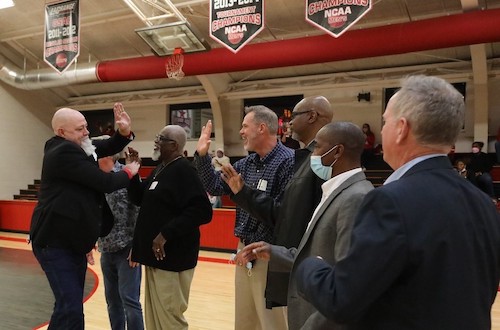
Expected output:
(176, 205)
(329, 236)
(425, 254)
(71, 204)
(290, 217)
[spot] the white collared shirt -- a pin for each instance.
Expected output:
(329, 186)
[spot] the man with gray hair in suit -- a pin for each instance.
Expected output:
(425, 246)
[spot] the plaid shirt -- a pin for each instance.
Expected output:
(270, 173)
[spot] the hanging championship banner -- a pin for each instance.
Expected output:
(62, 30)
(233, 23)
(336, 16)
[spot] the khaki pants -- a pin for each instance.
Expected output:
(166, 298)
(251, 312)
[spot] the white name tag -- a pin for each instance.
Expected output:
(153, 185)
(262, 185)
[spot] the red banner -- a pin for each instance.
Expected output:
(336, 16)
(233, 23)
(62, 31)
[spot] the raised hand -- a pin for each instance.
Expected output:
(122, 119)
(204, 140)
(232, 178)
(132, 155)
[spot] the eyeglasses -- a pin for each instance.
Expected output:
(162, 138)
(298, 113)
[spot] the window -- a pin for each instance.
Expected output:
(100, 122)
(192, 117)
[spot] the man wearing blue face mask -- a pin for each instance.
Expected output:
(336, 159)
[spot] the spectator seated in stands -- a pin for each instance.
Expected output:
(220, 159)
(369, 147)
(479, 170)
(461, 168)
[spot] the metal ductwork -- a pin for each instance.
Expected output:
(45, 78)
(450, 31)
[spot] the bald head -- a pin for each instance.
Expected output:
(347, 134)
(70, 125)
(309, 115)
(321, 106)
(65, 117)
(176, 133)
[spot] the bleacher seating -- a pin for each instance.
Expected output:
(377, 172)
(377, 177)
(30, 194)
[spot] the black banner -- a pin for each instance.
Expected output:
(62, 31)
(336, 16)
(233, 23)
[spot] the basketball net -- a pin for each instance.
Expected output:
(174, 63)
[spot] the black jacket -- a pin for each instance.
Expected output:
(71, 204)
(173, 202)
(290, 217)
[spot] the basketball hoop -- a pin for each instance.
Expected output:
(174, 63)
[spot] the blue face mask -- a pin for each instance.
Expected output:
(322, 171)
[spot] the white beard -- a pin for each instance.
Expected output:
(156, 155)
(88, 147)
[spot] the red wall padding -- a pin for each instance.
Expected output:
(16, 215)
(219, 233)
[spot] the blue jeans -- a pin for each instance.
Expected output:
(65, 271)
(122, 287)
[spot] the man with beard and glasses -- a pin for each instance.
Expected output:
(72, 212)
(174, 205)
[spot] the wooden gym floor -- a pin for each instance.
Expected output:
(211, 303)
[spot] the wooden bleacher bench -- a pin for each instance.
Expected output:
(377, 177)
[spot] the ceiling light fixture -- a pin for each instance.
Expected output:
(167, 29)
(6, 4)
(155, 12)
(164, 39)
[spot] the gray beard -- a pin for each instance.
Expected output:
(156, 155)
(88, 147)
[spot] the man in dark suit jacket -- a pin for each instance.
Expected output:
(329, 230)
(71, 210)
(425, 248)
